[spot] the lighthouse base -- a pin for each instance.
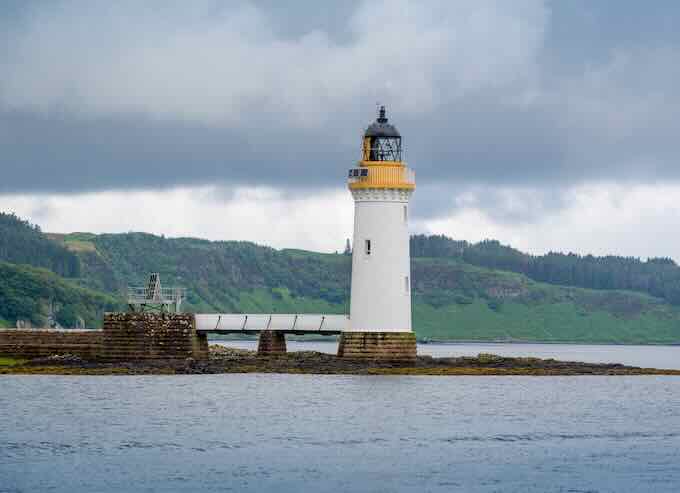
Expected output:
(383, 346)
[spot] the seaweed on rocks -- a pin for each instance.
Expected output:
(230, 360)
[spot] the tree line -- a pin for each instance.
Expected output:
(26, 293)
(659, 277)
(24, 243)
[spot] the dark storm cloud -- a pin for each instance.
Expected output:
(74, 154)
(529, 109)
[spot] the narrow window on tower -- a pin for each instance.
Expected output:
(368, 247)
(406, 284)
(405, 213)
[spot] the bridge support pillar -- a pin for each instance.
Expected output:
(381, 346)
(271, 342)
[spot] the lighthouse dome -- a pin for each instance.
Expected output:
(382, 141)
(381, 127)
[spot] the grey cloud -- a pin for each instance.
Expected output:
(293, 20)
(75, 154)
(502, 204)
(262, 94)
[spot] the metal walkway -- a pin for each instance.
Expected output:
(229, 323)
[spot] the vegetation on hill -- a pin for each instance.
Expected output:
(659, 277)
(33, 294)
(457, 301)
(483, 291)
(227, 276)
(453, 299)
(23, 243)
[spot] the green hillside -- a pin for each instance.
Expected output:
(32, 294)
(461, 291)
(452, 298)
(484, 304)
(658, 277)
(24, 243)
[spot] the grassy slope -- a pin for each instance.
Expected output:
(588, 317)
(279, 300)
(11, 361)
(541, 312)
(452, 300)
(551, 322)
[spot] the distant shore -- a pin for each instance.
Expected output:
(522, 341)
(316, 338)
(229, 360)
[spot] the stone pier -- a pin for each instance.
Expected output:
(125, 337)
(146, 335)
(271, 342)
(384, 346)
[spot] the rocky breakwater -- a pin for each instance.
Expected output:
(229, 360)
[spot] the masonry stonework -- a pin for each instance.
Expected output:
(134, 336)
(38, 343)
(271, 342)
(386, 346)
(125, 337)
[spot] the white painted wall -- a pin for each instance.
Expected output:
(380, 300)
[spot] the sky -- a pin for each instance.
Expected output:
(548, 125)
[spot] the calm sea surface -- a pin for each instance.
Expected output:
(291, 433)
(666, 357)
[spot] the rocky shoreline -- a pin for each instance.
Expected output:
(230, 360)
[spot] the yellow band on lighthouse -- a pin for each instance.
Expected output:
(390, 176)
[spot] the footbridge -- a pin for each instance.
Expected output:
(272, 327)
(234, 323)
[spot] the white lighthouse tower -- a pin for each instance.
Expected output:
(380, 304)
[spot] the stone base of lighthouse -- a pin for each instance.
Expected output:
(383, 346)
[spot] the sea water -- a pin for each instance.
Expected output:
(292, 433)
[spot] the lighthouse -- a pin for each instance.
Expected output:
(380, 303)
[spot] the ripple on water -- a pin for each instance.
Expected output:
(339, 433)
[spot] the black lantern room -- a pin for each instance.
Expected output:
(382, 141)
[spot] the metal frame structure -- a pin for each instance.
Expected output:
(154, 297)
(383, 149)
